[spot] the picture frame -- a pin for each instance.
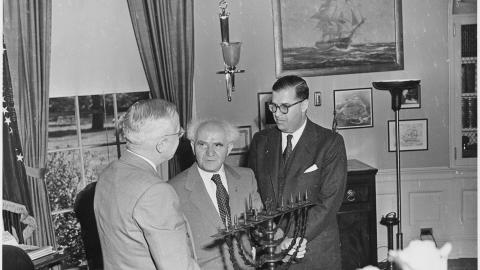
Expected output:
(243, 142)
(353, 108)
(310, 41)
(265, 116)
(411, 98)
(413, 135)
(317, 98)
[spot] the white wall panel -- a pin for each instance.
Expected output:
(439, 198)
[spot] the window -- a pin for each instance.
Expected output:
(82, 141)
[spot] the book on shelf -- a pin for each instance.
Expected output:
(469, 112)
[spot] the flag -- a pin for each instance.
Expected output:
(16, 196)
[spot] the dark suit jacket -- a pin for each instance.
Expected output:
(326, 185)
(139, 220)
(202, 216)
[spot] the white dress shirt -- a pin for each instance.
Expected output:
(296, 136)
(210, 185)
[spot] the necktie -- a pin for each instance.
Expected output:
(288, 150)
(222, 200)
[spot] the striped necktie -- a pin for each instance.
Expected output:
(222, 200)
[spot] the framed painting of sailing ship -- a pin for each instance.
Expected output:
(413, 135)
(327, 37)
(353, 108)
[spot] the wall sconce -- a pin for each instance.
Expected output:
(230, 51)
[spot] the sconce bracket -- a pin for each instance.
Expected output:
(230, 71)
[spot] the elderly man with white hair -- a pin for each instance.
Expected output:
(138, 215)
(212, 192)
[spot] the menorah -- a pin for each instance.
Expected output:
(260, 228)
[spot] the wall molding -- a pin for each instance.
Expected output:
(437, 173)
(441, 198)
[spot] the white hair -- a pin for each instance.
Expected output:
(231, 132)
(142, 121)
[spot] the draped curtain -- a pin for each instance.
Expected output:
(164, 33)
(27, 33)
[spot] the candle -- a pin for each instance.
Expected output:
(224, 27)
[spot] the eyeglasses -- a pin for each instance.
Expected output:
(282, 107)
(178, 134)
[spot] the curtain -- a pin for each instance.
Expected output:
(164, 33)
(16, 201)
(27, 28)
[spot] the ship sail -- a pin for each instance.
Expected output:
(337, 22)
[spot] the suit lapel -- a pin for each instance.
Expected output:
(237, 199)
(200, 198)
(303, 154)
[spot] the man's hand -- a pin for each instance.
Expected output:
(301, 250)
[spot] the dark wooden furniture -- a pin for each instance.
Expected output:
(48, 261)
(357, 217)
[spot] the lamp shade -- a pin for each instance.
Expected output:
(231, 53)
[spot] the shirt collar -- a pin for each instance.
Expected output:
(207, 176)
(144, 158)
(296, 135)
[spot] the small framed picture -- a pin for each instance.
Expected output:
(265, 116)
(413, 135)
(353, 108)
(241, 145)
(317, 98)
(411, 98)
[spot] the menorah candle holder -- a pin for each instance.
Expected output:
(260, 227)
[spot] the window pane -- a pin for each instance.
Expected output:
(62, 128)
(125, 100)
(63, 178)
(67, 232)
(96, 159)
(96, 126)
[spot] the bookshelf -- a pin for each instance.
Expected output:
(463, 83)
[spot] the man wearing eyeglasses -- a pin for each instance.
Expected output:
(138, 215)
(299, 156)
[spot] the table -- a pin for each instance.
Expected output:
(49, 261)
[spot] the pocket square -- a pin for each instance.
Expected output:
(311, 168)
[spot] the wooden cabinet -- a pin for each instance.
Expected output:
(357, 217)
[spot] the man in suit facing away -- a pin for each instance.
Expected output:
(298, 156)
(203, 187)
(138, 214)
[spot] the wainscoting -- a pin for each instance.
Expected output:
(443, 199)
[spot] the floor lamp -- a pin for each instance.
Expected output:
(396, 88)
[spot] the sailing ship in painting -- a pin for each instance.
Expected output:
(338, 20)
(346, 40)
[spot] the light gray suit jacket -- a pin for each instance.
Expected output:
(202, 216)
(139, 220)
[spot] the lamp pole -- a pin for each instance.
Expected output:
(396, 88)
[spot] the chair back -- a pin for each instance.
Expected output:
(15, 258)
(85, 214)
